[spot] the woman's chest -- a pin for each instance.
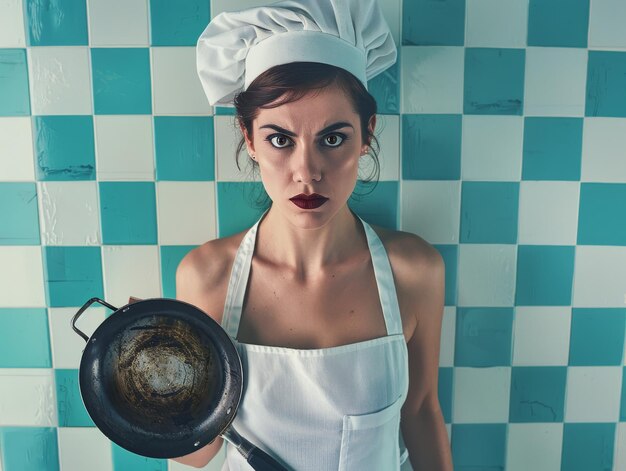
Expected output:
(341, 309)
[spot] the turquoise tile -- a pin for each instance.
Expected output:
(377, 204)
(29, 449)
(479, 447)
(600, 218)
(178, 23)
(56, 22)
(552, 148)
(121, 80)
(237, 207)
(597, 336)
(544, 275)
(184, 148)
(450, 259)
(483, 336)
(588, 447)
(385, 88)
(128, 212)
(224, 111)
(64, 148)
(444, 392)
(606, 82)
(19, 214)
(72, 412)
(558, 23)
(537, 394)
(431, 147)
(622, 413)
(14, 94)
(489, 212)
(72, 275)
(171, 255)
(428, 23)
(494, 81)
(124, 460)
(24, 338)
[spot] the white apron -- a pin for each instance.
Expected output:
(334, 408)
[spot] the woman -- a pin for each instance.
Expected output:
(337, 322)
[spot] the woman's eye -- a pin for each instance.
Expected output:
(279, 141)
(333, 140)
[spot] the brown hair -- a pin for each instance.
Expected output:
(287, 83)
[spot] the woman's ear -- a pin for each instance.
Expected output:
(372, 127)
(372, 124)
(249, 143)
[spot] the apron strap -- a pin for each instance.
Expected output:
(384, 280)
(238, 281)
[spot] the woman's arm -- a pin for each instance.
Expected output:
(422, 424)
(194, 284)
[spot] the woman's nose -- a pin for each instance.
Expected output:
(306, 165)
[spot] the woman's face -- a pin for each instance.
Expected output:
(312, 145)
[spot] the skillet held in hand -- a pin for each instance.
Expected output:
(162, 379)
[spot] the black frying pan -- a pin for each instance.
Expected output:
(162, 379)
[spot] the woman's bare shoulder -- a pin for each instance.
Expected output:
(202, 274)
(410, 255)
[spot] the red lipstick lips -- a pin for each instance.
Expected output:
(311, 201)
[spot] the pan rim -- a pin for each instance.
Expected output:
(230, 394)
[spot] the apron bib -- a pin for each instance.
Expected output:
(334, 408)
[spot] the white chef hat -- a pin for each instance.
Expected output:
(236, 47)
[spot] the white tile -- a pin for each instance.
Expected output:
(214, 465)
(481, 395)
(67, 346)
(620, 446)
(486, 275)
(606, 24)
(448, 329)
(11, 24)
(432, 79)
(492, 148)
(548, 212)
(604, 150)
(84, 448)
(555, 81)
(422, 202)
(16, 149)
(176, 86)
(186, 212)
(388, 133)
(593, 393)
(541, 335)
(131, 270)
(534, 446)
(21, 276)
(124, 148)
(227, 137)
(60, 80)
(494, 23)
(599, 274)
(27, 397)
(69, 213)
(118, 22)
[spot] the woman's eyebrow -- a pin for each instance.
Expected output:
(327, 129)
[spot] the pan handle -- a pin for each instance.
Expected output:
(257, 458)
(261, 461)
(82, 309)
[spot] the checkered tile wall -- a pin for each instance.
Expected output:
(503, 133)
